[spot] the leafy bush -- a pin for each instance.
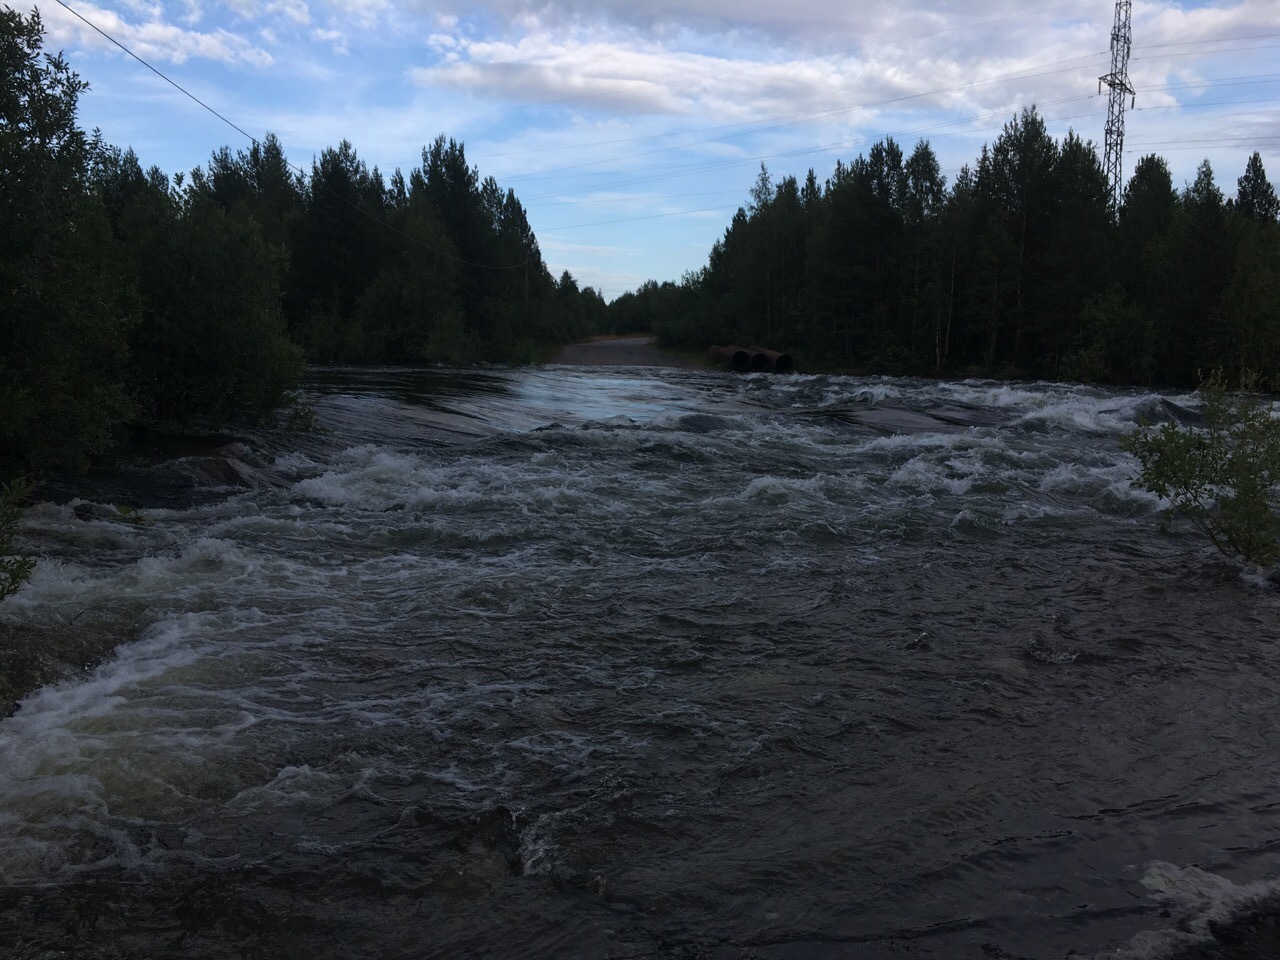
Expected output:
(1223, 475)
(15, 568)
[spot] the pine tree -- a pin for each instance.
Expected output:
(1256, 197)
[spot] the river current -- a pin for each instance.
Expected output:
(596, 662)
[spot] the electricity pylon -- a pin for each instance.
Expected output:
(1118, 81)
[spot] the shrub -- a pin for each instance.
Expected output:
(1222, 475)
(15, 568)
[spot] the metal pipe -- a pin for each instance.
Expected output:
(737, 358)
(775, 361)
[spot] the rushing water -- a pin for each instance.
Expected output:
(640, 663)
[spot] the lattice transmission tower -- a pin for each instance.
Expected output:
(1118, 81)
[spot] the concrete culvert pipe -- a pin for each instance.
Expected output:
(777, 362)
(735, 357)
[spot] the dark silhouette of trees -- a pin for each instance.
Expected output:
(138, 300)
(1255, 196)
(1018, 268)
(66, 310)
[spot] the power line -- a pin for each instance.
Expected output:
(1221, 140)
(778, 123)
(1204, 53)
(168, 80)
(1206, 40)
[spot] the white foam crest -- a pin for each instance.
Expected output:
(538, 842)
(992, 393)
(1024, 512)
(959, 466)
(365, 476)
(837, 390)
(796, 492)
(292, 786)
(54, 726)
(294, 463)
(383, 481)
(975, 438)
(966, 516)
(1088, 417)
(1204, 900)
(1070, 406)
(107, 531)
(54, 585)
(95, 844)
(786, 488)
(61, 589)
(921, 475)
(1114, 478)
(1259, 578)
(194, 565)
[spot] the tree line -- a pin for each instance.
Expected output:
(1021, 267)
(129, 298)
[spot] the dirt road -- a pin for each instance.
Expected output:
(619, 352)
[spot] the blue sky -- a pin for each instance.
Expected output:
(631, 130)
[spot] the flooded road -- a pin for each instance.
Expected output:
(607, 662)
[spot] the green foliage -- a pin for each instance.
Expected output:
(132, 299)
(1255, 196)
(300, 415)
(15, 567)
(1222, 476)
(1020, 268)
(66, 311)
(1115, 341)
(211, 340)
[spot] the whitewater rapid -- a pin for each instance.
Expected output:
(608, 662)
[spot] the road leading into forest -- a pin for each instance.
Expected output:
(620, 352)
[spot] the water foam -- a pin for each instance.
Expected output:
(1202, 903)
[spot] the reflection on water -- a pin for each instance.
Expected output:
(616, 663)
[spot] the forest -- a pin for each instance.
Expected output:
(1020, 268)
(135, 300)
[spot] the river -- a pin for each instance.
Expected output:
(624, 663)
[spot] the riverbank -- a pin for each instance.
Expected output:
(629, 351)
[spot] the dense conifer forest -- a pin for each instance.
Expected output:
(135, 299)
(1020, 267)
(138, 299)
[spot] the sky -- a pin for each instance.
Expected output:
(632, 130)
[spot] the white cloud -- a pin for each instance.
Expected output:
(247, 9)
(365, 14)
(295, 10)
(601, 77)
(152, 40)
(335, 38)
